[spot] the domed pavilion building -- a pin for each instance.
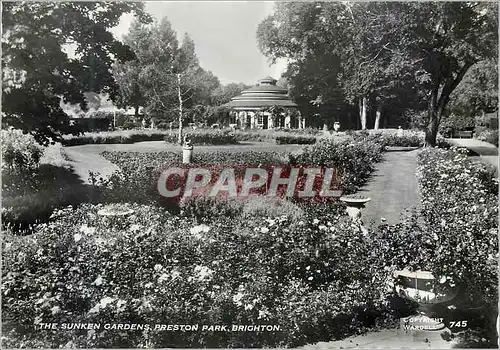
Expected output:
(264, 106)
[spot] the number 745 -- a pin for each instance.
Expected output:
(456, 324)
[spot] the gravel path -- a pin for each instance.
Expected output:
(392, 187)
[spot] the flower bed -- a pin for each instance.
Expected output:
(354, 160)
(316, 279)
(135, 182)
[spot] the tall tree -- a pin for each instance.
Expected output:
(37, 70)
(443, 40)
(379, 48)
(165, 75)
(127, 73)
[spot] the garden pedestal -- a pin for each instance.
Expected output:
(187, 154)
(354, 205)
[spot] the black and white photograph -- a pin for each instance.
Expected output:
(312, 175)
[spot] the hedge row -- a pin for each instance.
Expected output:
(126, 137)
(293, 139)
(205, 137)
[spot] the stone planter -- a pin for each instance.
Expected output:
(116, 215)
(354, 205)
(420, 285)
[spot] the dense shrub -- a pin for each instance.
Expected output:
(257, 135)
(490, 136)
(294, 139)
(19, 150)
(353, 160)
(455, 233)
(391, 138)
(204, 137)
(317, 279)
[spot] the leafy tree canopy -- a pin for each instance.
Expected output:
(37, 69)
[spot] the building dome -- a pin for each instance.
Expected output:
(264, 95)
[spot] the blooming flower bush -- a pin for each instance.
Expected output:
(490, 136)
(19, 150)
(391, 138)
(454, 235)
(318, 279)
(354, 160)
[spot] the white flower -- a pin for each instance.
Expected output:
(315, 221)
(163, 277)
(135, 228)
(264, 230)
(322, 227)
(77, 237)
(237, 298)
(106, 301)
(157, 267)
(55, 310)
(203, 272)
(87, 230)
(198, 229)
(262, 314)
(310, 278)
(271, 222)
(98, 281)
(249, 307)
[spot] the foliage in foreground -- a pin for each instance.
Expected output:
(455, 236)
(318, 279)
(20, 151)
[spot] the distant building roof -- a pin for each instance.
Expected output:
(266, 94)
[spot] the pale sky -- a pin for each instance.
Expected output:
(224, 34)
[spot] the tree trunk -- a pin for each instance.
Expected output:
(360, 107)
(179, 139)
(434, 118)
(136, 112)
(378, 116)
(363, 117)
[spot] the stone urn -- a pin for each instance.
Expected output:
(354, 205)
(187, 151)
